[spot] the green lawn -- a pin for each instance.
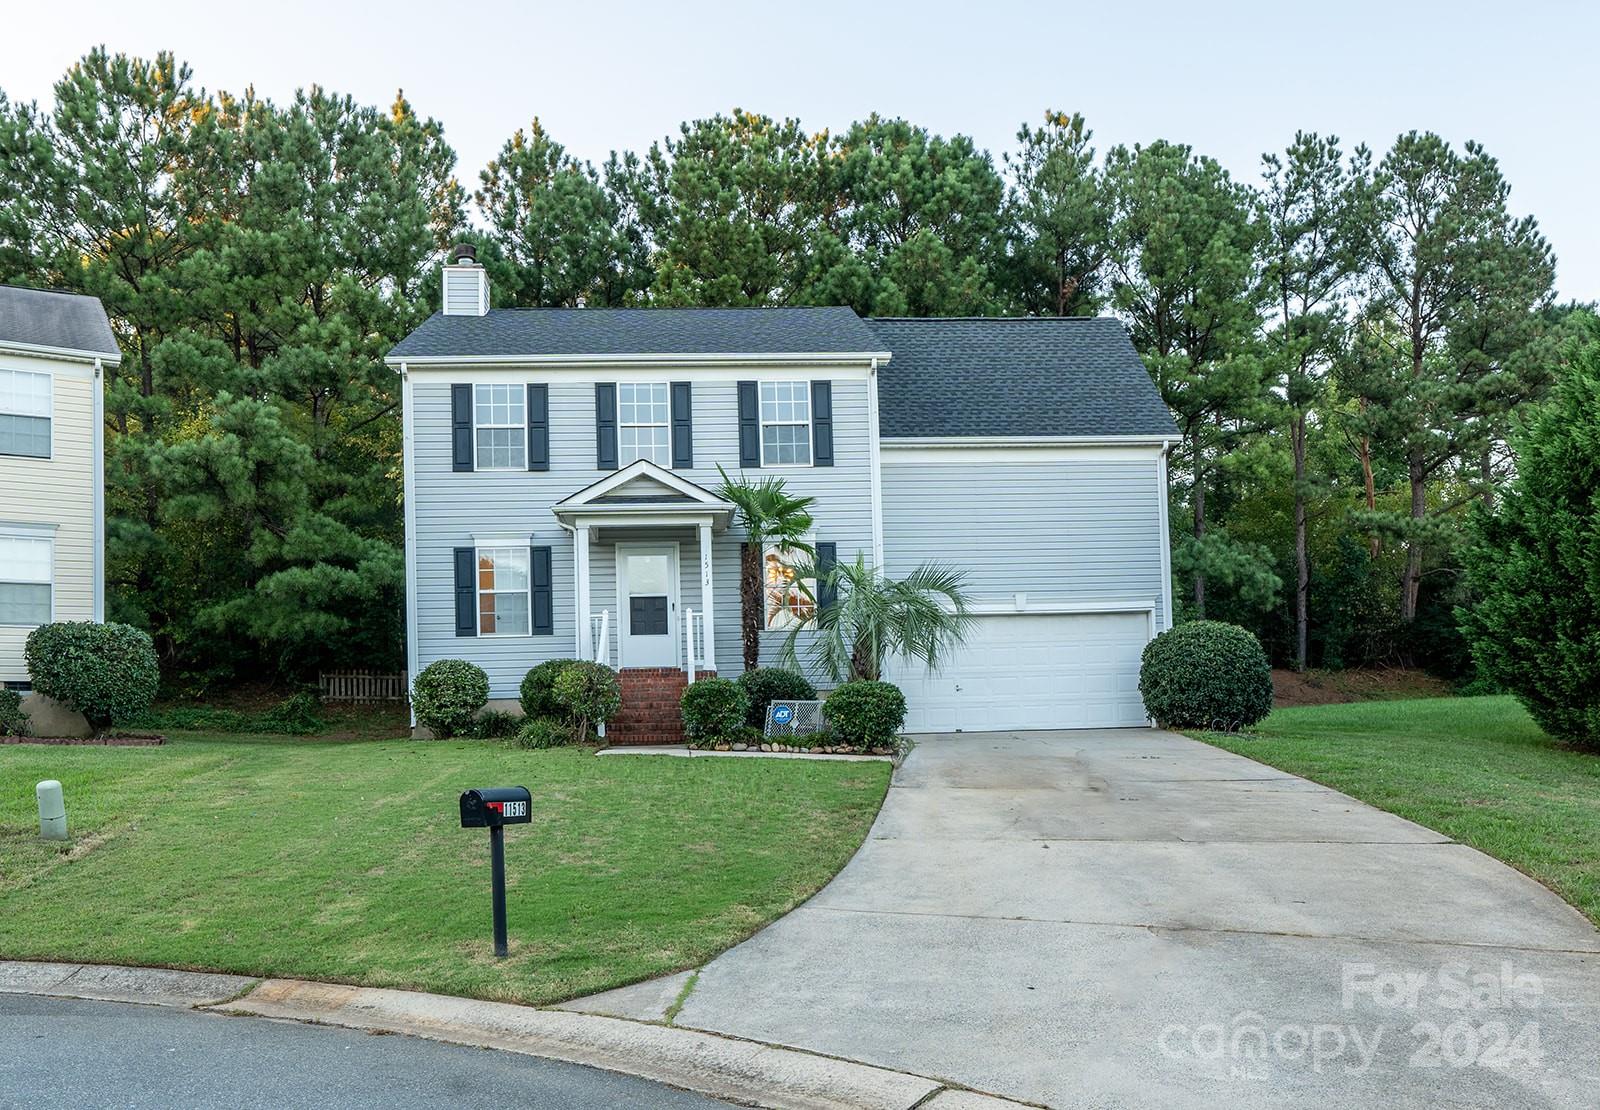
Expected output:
(1476, 769)
(345, 861)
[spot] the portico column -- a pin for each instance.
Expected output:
(580, 575)
(708, 609)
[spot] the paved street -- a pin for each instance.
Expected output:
(1131, 918)
(84, 1055)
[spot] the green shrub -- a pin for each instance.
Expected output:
(1206, 674)
(765, 685)
(13, 721)
(587, 693)
(538, 689)
(107, 672)
(447, 694)
(713, 710)
(542, 732)
(297, 715)
(494, 724)
(865, 714)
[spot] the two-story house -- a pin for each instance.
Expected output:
(54, 348)
(561, 468)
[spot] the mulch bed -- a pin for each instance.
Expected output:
(88, 741)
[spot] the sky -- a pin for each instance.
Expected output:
(1230, 79)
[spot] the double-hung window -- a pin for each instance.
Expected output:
(644, 429)
(790, 600)
(785, 423)
(500, 427)
(25, 579)
(24, 414)
(504, 592)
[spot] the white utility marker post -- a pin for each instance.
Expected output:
(52, 810)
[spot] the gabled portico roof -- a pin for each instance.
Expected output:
(644, 494)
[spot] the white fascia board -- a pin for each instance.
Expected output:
(796, 358)
(1034, 607)
(616, 516)
(972, 442)
(643, 468)
(1021, 454)
(70, 354)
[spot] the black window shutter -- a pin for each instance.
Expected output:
(466, 592)
(544, 620)
(538, 427)
(605, 425)
(827, 557)
(461, 427)
(822, 423)
(682, 426)
(749, 424)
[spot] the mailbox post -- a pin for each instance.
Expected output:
(494, 808)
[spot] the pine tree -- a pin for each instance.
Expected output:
(1057, 220)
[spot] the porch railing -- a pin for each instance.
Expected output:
(600, 635)
(694, 638)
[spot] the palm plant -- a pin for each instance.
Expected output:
(922, 616)
(768, 513)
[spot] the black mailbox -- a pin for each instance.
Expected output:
(490, 807)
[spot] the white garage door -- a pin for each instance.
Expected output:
(1032, 671)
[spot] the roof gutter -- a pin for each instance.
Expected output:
(72, 354)
(959, 442)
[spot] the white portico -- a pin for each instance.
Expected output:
(647, 522)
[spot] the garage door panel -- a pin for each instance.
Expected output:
(1033, 671)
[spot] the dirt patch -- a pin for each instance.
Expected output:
(88, 741)
(1291, 688)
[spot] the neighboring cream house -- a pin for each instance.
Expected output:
(54, 348)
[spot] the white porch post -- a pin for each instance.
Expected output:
(708, 626)
(580, 574)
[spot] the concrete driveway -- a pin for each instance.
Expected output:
(1131, 918)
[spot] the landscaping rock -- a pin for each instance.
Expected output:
(48, 717)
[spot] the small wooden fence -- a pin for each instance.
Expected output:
(363, 686)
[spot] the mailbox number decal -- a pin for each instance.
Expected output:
(509, 809)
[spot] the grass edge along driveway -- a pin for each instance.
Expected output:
(1475, 769)
(346, 862)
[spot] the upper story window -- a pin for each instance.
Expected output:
(24, 414)
(644, 429)
(504, 592)
(789, 599)
(500, 427)
(25, 579)
(785, 423)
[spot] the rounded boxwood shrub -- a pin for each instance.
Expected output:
(587, 693)
(539, 733)
(107, 672)
(1206, 674)
(447, 694)
(538, 689)
(713, 710)
(865, 714)
(765, 685)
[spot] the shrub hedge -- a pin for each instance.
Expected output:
(447, 694)
(538, 689)
(866, 714)
(587, 693)
(13, 721)
(713, 710)
(1206, 674)
(107, 672)
(765, 685)
(538, 733)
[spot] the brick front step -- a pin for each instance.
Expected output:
(650, 699)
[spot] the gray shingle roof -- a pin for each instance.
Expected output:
(47, 318)
(510, 332)
(1034, 376)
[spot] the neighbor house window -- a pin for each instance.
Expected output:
(504, 607)
(790, 599)
(785, 423)
(24, 414)
(25, 580)
(500, 427)
(643, 427)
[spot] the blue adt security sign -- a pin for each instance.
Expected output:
(782, 714)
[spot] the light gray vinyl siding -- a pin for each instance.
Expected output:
(1063, 532)
(450, 507)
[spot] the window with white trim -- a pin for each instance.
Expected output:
(505, 592)
(785, 423)
(25, 414)
(644, 428)
(788, 600)
(500, 426)
(25, 579)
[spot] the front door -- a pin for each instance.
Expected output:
(647, 589)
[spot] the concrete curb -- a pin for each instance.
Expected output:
(734, 1070)
(700, 753)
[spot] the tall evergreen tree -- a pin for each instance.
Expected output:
(1057, 219)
